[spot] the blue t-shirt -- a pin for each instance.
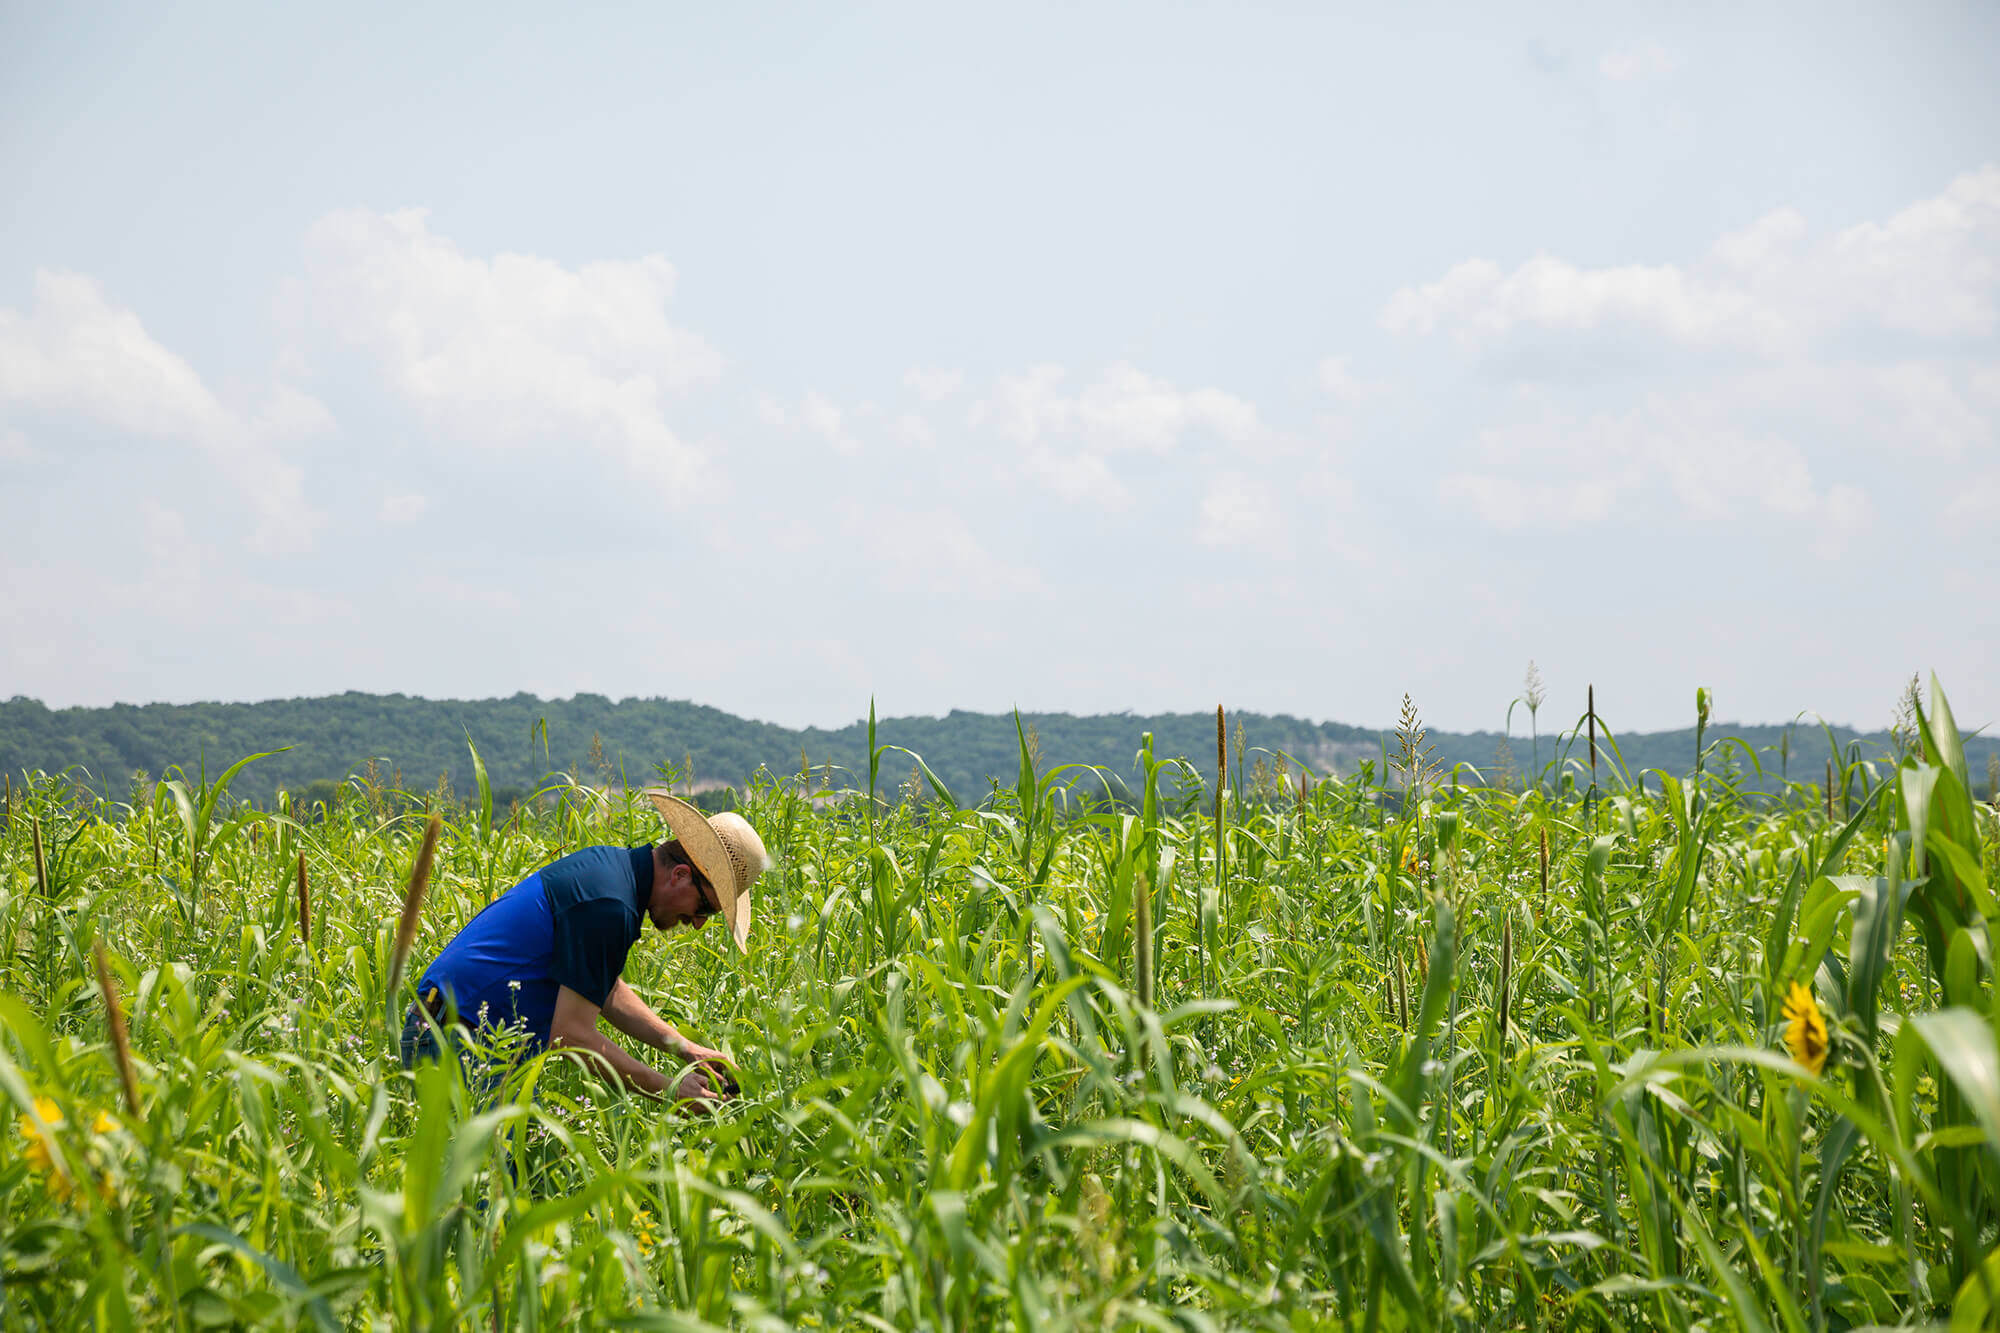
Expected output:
(570, 923)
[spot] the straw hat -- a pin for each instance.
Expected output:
(725, 849)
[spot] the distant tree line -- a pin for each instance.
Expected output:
(422, 744)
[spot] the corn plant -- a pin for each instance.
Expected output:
(1644, 1051)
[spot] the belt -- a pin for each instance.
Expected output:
(432, 1002)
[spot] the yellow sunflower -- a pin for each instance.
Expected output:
(1805, 1029)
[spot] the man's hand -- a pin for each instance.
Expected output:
(693, 1094)
(694, 1050)
(714, 1063)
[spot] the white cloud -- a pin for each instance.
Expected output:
(464, 595)
(933, 551)
(403, 508)
(1645, 59)
(823, 418)
(913, 429)
(1975, 503)
(14, 446)
(1077, 478)
(1931, 270)
(1567, 470)
(1478, 302)
(76, 352)
(1511, 503)
(1067, 438)
(1023, 407)
(816, 414)
(1239, 510)
(1898, 408)
(76, 355)
(932, 385)
(514, 350)
(1339, 382)
(1983, 384)
(1842, 515)
(1129, 409)
(1811, 352)
(1123, 410)
(173, 573)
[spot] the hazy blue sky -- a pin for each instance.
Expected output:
(1077, 357)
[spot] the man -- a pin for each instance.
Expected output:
(547, 956)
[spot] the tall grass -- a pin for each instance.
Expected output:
(1578, 1111)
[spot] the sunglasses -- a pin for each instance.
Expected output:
(704, 894)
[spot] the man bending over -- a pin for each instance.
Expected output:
(547, 956)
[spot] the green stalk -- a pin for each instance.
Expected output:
(1221, 777)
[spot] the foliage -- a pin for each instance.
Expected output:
(1386, 1079)
(597, 740)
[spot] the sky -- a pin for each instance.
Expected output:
(1074, 357)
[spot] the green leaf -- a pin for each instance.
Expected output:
(1974, 1308)
(545, 1214)
(221, 788)
(1172, 1148)
(279, 1271)
(1878, 920)
(1749, 1310)
(1961, 864)
(937, 783)
(1840, 1141)
(1831, 861)
(485, 787)
(1024, 782)
(1430, 1012)
(1962, 1043)
(1942, 745)
(1918, 782)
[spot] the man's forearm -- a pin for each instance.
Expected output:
(633, 1017)
(624, 1071)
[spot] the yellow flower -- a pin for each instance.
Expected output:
(36, 1148)
(1805, 1029)
(104, 1124)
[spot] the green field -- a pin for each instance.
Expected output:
(1374, 1051)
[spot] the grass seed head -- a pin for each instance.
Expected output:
(1590, 713)
(1221, 754)
(114, 1017)
(1142, 938)
(1402, 996)
(413, 902)
(1545, 870)
(305, 905)
(41, 861)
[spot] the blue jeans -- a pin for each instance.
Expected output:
(483, 1077)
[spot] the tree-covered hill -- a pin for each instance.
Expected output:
(523, 739)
